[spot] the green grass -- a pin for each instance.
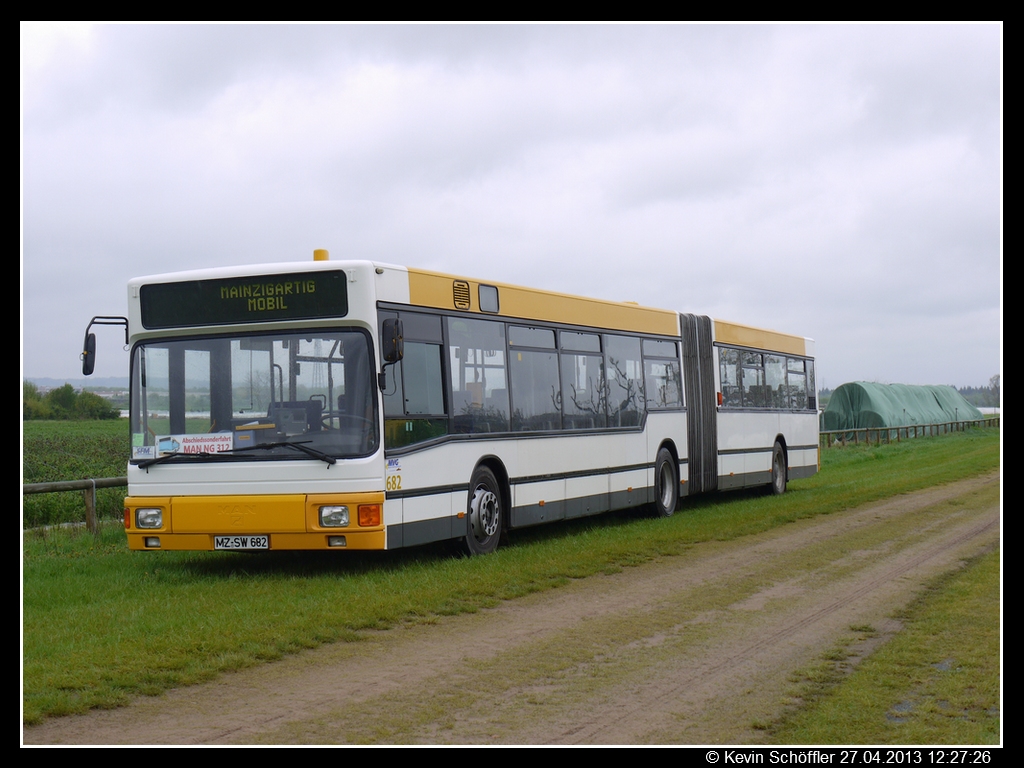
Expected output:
(72, 450)
(102, 624)
(936, 682)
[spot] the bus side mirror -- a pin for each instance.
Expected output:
(392, 347)
(89, 354)
(392, 341)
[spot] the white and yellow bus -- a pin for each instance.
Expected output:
(359, 405)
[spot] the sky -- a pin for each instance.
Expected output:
(837, 182)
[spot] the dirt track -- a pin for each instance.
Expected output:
(699, 648)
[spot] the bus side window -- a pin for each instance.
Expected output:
(479, 375)
(661, 380)
(797, 385)
(625, 381)
(730, 377)
(775, 380)
(413, 394)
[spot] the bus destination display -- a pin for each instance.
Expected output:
(229, 300)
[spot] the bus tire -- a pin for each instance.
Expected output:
(483, 513)
(778, 484)
(666, 484)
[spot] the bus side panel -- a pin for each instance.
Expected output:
(801, 431)
(551, 477)
(631, 477)
(431, 486)
(745, 443)
(428, 518)
(668, 426)
(538, 501)
(746, 440)
(587, 495)
(393, 510)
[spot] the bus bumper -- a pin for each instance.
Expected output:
(254, 523)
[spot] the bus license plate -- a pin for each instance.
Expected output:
(241, 542)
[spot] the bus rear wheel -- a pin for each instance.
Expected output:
(778, 485)
(483, 513)
(666, 484)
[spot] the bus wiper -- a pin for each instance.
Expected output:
(166, 456)
(301, 447)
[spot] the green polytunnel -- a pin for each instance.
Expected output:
(867, 405)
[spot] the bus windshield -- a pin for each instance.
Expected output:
(245, 397)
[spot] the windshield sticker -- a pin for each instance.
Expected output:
(211, 443)
(143, 451)
(393, 482)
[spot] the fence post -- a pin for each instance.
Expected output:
(90, 509)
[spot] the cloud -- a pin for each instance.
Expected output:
(773, 175)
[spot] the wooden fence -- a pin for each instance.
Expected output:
(879, 435)
(88, 489)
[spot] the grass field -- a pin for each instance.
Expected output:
(102, 624)
(72, 450)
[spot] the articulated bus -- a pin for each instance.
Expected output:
(361, 405)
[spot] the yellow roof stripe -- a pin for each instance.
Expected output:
(433, 289)
(758, 338)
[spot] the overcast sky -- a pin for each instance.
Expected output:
(837, 182)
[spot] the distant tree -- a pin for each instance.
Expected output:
(64, 403)
(982, 396)
(92, 406)
(33, 406)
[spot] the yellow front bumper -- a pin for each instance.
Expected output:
(290, 521)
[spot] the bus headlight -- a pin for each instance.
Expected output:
(149, 517)
(334, 517)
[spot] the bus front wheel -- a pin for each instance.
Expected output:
(778, 485)
(483, 525)
(666, 484)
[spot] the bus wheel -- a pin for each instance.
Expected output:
(483, 528)
(778, 471)
(666, 484)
